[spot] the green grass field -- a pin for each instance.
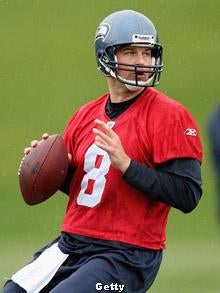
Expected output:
(48, 69)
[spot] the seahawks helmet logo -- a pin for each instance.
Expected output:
(102, 31)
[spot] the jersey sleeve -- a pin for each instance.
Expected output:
(69, 133)
(175, 135)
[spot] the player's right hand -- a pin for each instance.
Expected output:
(35, 142)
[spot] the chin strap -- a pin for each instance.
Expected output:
(133, 88)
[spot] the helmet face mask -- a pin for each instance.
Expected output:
(128, 28)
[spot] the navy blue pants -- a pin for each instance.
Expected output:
(135, 269)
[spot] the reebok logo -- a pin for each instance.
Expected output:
(149, 39)
(190, 132)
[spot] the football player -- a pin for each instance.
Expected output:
(135, 154)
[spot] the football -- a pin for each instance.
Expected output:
(43, 170)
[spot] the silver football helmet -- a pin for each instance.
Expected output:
(128, 27)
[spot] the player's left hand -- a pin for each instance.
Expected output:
(108, 140)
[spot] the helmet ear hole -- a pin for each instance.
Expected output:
(100, 53)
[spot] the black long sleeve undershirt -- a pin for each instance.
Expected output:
(176, 183)
(65, 187)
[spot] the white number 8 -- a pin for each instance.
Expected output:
(96, 166)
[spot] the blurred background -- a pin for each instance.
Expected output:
(48, 69)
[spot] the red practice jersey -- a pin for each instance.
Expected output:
(154, 129)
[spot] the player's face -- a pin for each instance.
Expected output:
(133, 55)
